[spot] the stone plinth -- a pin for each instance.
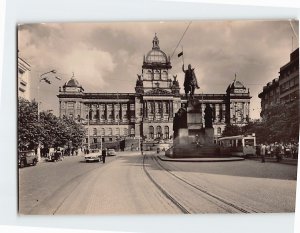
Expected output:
(194, 141)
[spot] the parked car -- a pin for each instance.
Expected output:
(111, 152)
(27, 158)
(96, 156)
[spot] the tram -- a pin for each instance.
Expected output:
(237, 145)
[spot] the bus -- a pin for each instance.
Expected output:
(237, 145)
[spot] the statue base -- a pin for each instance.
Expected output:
(194, 141)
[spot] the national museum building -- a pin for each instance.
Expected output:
(148, 112)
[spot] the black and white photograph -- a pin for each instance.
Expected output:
(157, 117)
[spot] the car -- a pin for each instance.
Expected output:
(96, 156)
(111, 152)
(27, 158)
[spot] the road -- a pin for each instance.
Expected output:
(132, 184)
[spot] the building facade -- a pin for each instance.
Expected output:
(269, 96)
(283, 89)
(23, 78)
(148, 112)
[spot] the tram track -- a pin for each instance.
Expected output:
(221, 202)
(164, 192)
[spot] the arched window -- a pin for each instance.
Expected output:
(158, 132)
(167, 132)
(151, 132)
(164, 75)
(219, 131)
(156, 74)
(149, 74)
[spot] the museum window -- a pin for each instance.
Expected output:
(151, 132)
(117, 132)
(132, 132)
(70, 105)
(102, 132)
(125, 132)
(167, 107)
(167, 132)
(152, 107)
(132, 107)
(94, 131)
(110, 131)
(219, 131)
(158, 132)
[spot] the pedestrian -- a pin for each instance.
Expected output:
(277, 152)
(263, 152)
(103, 155)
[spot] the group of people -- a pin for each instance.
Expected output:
(278, 150)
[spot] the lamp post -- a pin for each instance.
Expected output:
(45, 79)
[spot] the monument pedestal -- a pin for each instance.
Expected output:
(192, 140)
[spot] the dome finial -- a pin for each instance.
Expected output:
(155, 42)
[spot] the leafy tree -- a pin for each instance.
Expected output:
(232, 130)
(28, 127)
(50, 131)
(281, 123)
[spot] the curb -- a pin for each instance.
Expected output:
(293, 162)
(231, 159)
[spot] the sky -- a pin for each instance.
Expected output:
(106, 57)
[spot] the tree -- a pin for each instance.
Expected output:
(28, 127)
(232, 130)
(280, 124)
(50, 130)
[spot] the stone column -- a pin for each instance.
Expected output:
(203, 114)
(223, 112)
(217, 112)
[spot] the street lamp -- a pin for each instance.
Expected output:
(46, 80)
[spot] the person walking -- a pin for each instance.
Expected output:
(277, 152)
(263, 152)
(103, 155)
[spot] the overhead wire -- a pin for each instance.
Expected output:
(181, 38)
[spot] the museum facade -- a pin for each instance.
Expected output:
(148, 112)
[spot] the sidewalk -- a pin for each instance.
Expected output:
(227, 159)
(288, 161)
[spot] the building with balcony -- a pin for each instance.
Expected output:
(289, 78)
(269, 96)
(148, 112)
(283, 89)
(23, 78)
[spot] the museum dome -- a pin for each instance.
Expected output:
(156, 55)
(71, 84)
